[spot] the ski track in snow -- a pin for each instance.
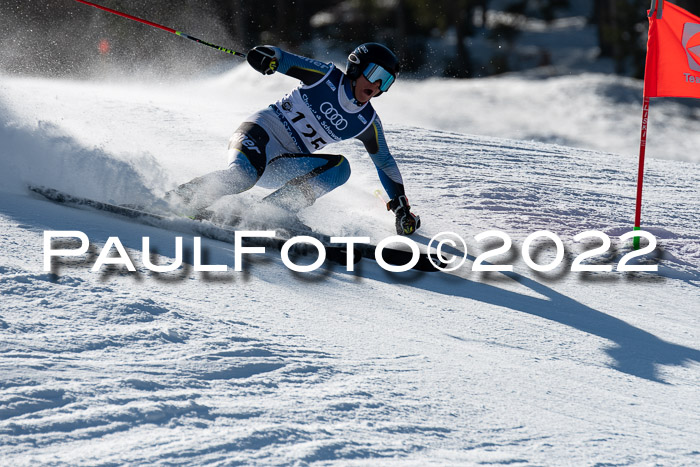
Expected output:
(272, 367)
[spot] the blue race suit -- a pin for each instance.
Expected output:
(276, 147)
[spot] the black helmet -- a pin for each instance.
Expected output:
(372, 52)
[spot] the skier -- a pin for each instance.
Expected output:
(276, 147)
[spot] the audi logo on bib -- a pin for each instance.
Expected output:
(333, 116)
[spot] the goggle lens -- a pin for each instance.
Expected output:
(374, 72)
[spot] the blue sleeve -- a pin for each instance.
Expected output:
(307, 70)
(388, 170)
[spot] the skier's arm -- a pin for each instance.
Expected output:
(390, 176)
(388, 170)
(268, 59)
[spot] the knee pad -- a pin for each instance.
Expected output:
(336, 172)
(250, 141)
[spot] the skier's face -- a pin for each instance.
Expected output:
(364, 90)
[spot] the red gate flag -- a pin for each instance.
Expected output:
(672, 70)
(673, 54)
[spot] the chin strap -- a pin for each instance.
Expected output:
(353, 83)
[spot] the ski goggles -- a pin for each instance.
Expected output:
(374, 72)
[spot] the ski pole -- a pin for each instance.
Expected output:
(164, 28)
(378, 194)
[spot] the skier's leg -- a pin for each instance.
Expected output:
(305, 178)
(246, 155)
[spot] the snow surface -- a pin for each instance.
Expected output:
(273, 367)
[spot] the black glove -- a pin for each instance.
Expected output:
(406, 221)
(263, 58)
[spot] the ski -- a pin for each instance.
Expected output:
(225, 233)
